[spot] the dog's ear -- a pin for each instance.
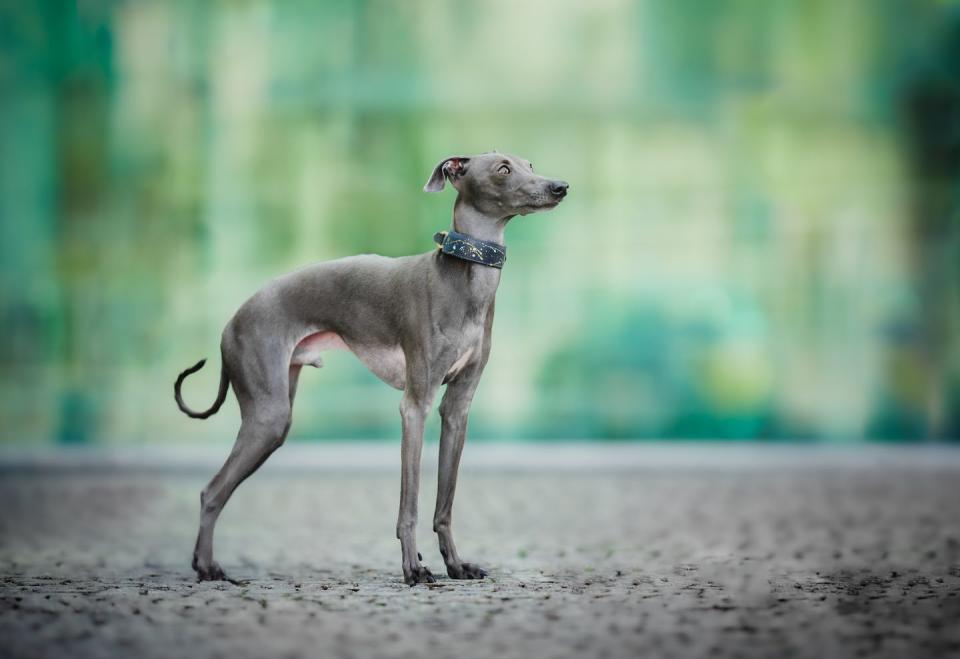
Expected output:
(449, 168)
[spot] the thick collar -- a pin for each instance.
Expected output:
(472, 249)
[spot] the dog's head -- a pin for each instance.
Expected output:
(498, 184)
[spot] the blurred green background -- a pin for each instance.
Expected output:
(762, 239)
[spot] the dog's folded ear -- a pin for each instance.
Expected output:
(448, 168)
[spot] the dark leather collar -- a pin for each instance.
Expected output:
(468, 248)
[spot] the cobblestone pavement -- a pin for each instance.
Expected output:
(666, 562)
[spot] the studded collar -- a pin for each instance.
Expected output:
(468, 248)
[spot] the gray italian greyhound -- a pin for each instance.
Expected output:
(416, 322)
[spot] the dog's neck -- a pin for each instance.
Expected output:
(468, 220)
(483, 280)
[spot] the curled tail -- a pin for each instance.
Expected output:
(221, 395)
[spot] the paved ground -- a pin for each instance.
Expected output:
(672, 561)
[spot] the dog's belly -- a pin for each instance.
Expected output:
(307, 352)
(386, 362)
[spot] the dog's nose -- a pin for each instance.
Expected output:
(558, 188)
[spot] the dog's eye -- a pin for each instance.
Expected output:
(503, 169)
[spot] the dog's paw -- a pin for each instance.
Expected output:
(419, 574)
(466, 571)
(213, 572)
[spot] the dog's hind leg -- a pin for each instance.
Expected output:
(293, 379)
(265, 423)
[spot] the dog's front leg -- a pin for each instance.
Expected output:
(413, 412)
(453, 410)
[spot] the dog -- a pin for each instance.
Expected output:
(417, 322)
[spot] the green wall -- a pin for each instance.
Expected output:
(762, 239)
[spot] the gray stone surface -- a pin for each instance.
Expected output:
(665, 562)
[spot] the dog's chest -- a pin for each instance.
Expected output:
(458, 365)
(467, 346)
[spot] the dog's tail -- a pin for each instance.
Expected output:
(221, 395)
